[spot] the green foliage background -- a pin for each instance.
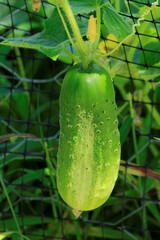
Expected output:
(30, 83)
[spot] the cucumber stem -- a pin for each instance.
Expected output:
(80, 45)
(65, 27)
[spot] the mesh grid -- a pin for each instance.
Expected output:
(29, 90)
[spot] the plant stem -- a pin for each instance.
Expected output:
(20, 65)
(80, 45)
(52, 178)
(133, 129)
(21, 70)
(135, 140)
(101, 64)
(10, 205)
(65, 27)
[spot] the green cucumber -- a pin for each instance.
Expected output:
(89, 146)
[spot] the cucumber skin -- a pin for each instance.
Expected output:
(89, 147)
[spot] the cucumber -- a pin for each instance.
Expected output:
(89, 146)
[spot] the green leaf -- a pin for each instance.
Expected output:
(125, 128)
(3, 235)
(5, 62)
(115, 23)
(150, 54)
(64, 57)
(52, 2)
(155, 12)
(150, 73)
(27, 178)
(50, 41)
(29, 221)
(22, 104)
(79, 6)
(82, 7)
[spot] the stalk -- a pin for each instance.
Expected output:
(10, 205)
(65, 27)
(135, 140)
(80, 45)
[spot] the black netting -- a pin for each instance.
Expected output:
(30, 85)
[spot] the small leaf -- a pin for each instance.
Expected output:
(114, 23)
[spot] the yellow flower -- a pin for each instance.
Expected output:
(91, 33)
